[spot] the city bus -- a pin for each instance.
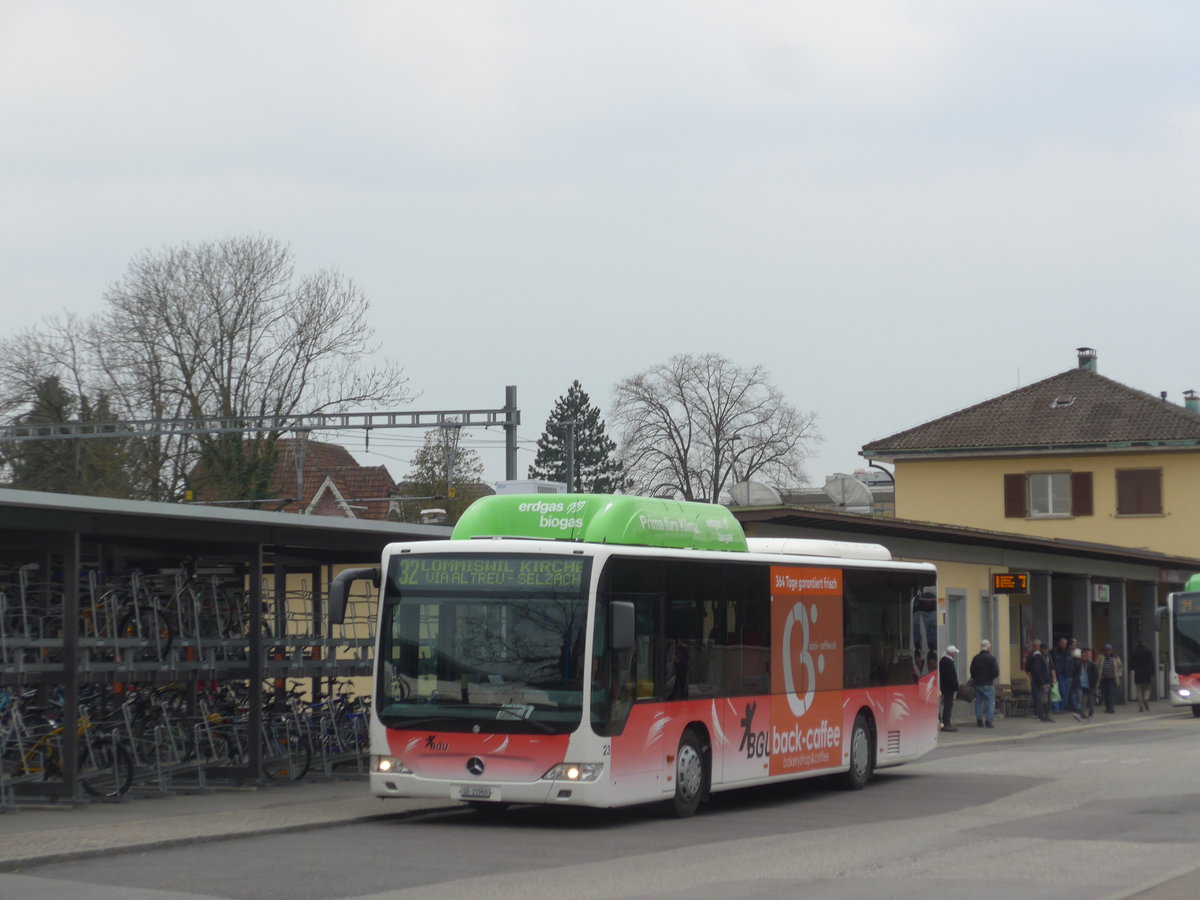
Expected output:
(1182, 613)
(603, 651)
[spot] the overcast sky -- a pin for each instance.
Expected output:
(899, 208)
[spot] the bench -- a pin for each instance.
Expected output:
(1014, 699)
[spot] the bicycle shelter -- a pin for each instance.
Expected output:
(106, 592)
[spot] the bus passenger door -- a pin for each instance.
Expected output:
(637, 683)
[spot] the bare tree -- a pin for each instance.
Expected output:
(221, 328)
(693, 426)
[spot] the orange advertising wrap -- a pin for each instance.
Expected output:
(806, 669)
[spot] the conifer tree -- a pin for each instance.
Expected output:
(93, 466)
(597, 470)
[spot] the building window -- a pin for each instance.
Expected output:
(1040, 495)
(1139, 492)
(1050, 494)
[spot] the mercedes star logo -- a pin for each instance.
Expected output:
(475, 765)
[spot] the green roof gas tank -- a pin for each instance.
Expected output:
(603, 519)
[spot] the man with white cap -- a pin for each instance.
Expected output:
(984, 672)
(948, 682)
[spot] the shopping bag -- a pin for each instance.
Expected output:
(1055, 696)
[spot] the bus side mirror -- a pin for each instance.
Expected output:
(1159, 615)
(339, 588)
(623, 617)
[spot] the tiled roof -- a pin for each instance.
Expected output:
(356, 483)
(1078, 409)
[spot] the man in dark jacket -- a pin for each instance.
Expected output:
(1062, 665)
(1039, 681)
(984, 672)
(948, 682)
(1141, 660)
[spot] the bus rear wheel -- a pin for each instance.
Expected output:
(862, 755)
(689, 776)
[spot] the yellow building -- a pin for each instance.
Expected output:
(1077, 459)
(1076, 456)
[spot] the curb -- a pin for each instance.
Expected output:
(1055, 728)
(207, 833)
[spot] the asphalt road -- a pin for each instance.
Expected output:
(1096, 814)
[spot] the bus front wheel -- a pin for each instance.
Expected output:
(1196, 711)
(862, 754)
(689, 776)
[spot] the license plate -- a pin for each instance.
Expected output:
(477, 792)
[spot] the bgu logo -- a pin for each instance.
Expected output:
(756, 744)
(432, 743)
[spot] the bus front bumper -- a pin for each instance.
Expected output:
(544, 791)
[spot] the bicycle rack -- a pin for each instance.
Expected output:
(180, 751)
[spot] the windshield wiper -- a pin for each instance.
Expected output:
(400, 722)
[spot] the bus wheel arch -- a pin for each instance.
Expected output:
(863, 747)
(693, 770)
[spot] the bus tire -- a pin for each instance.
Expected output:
(690, 776)
(862, 754)
(1196, 711)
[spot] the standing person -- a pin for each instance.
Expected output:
(984, 672)
(1040, 678)
(1110, 669)
(1076, 690)
(948, 680)
(1073, 650)
(1141, 660)
(1086, 688)
(1060, 660)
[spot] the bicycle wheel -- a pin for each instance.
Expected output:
(214, 748)
(287, 751)
(357, 731)
(11, 763)
(105, 769)
(150, 625)
(227, 614)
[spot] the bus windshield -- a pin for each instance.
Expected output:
(1187, 635)
(483, 643)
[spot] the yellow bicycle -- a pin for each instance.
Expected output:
(105, 767)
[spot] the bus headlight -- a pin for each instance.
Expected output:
(389, 765)
(575, 772)
(1183, 693)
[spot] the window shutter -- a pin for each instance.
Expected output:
(1139, 492)
(1014, 497)
(1081, 493)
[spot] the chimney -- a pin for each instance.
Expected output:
(1087, 359)
(1191, 400)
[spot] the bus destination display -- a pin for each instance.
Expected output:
(1010, 582)
(507, 572)
(1187, 604)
